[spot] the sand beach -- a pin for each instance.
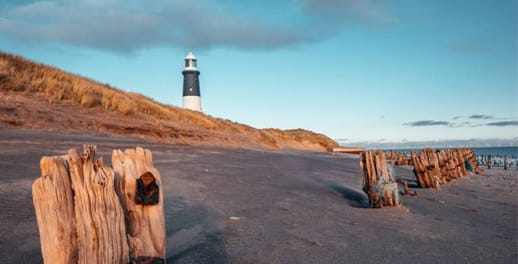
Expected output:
(255, 206)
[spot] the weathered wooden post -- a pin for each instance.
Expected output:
(141, 192)
(378, 182)
(404, 159)
(87, 213)
(452, 164)
(398, 159)
(426, 168)
(406, 191)
(100, 227)
(54, 206)
(79, 214)
(393, 158)
(505, 162)
(489, 161)
(441, 158)
(461, 166)
(419, 169)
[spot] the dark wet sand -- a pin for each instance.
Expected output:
(294, 207)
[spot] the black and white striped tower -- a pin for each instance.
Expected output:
(191, 84)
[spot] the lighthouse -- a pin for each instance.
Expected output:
(191, 84)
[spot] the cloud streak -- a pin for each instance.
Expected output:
(131, 25)
(503, 123)
(463, 124)
(476, 116)
(123, 27)
(422, 123)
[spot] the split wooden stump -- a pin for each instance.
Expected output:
(140, 190)
(378, 182)
(88, 213)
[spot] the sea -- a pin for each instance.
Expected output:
(511, 152)
(497, 154)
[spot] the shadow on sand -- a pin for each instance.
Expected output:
(354, 197)
(403, 174)
(212, 250)
(412, 184)
(193, 235)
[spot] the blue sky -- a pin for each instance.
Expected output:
(357, 70)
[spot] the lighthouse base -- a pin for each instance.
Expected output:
(192, 103)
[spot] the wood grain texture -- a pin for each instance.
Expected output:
(426, 168)
(145, 223)
(99, 216)
(435, 167)
(378, 183)
(53, 204)
(79, 214)
(399, 159)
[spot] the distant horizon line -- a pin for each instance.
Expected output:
(445, 143)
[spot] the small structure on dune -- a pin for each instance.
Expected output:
(348, 150)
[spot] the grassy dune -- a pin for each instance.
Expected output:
(37, 96)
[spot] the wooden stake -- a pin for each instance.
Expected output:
(54, 206)
(144, 214)
(79, 216)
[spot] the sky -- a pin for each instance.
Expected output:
(355, 70)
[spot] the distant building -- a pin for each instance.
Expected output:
(191, 84)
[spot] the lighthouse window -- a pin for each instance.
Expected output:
(186, 63)
(194, 63)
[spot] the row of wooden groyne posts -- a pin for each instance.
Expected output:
(432, 168)
(91, 213)
(403, 158)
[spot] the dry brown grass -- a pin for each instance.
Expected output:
(44, 83)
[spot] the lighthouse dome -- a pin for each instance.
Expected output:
(190, 56)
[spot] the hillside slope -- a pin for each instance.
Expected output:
(36, 96)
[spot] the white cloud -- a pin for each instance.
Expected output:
(127, 26)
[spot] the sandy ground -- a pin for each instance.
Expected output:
(294, 207)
